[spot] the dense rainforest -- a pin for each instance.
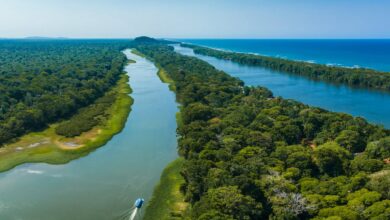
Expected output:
(250, 155)
(355, 77)
(44, 81)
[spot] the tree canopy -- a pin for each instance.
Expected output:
(250, 155)
(45, 81)
(355, 77)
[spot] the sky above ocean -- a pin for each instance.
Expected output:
(196, 19)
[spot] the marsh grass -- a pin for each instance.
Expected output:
(164, 77)
(48, 147)
(167, 201)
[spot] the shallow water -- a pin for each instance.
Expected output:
(104, 184)
(371, 105)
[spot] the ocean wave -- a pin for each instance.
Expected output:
(286, 58)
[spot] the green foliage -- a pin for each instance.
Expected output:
(167, 202)
(362, 198)
(379, 149)
(244, 148)
(197, 111)
(44, 81)
(215, 215)
(362, 163)
(53, 153)
(356, 77)
(332, 159)
(338, 212)
(317, 202)
(380, 182)
(296, 156)
(350, 140)
(229, 202)
(378, 211)
(87, 117)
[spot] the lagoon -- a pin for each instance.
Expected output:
(371, 105)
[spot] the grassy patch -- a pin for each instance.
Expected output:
(49, 147)
(167, 201)
(164, 77)
(136, 52)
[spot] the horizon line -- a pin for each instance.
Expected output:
(179, 38)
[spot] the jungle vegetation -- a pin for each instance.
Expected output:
(45, 81)
(47, 146)
(355, 77)
(250, 155)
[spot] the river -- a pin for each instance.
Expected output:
(105, 184)
(371, 105)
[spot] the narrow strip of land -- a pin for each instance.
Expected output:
(49, 147)
(354, 77)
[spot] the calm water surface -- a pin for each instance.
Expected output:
(372, 105)
(105, 184)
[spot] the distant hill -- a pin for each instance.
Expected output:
(149, 40)
(144, 39)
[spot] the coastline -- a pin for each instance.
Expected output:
(360, 78)
(48, 147)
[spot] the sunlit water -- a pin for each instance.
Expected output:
(104, 184)
(372, 105)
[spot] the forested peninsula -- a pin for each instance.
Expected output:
(250, 155)
(60, 98)
(354, 77)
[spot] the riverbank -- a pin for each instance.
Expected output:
(48, 147)
(162, 74)
(167, 201)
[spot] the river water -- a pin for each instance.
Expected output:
(105, 184)
(371, 105)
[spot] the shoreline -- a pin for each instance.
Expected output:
(48, 147)
(162, 74)
(167, 201)
(365, 78)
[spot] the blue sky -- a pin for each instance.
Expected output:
(196, 18)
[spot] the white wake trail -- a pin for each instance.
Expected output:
(132, 216)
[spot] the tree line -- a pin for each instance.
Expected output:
(355, 77)
(250, 155)
(46, 81)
